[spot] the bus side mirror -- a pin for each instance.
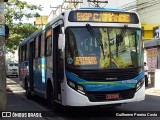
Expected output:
(61, 42)
(61, 45)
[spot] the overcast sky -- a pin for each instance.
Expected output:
(46, 4)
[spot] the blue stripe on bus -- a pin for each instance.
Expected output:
(43, 69)
(105, 86)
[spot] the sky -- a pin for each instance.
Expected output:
(46, 4)
(46, 7)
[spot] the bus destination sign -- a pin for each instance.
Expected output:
(102, 16)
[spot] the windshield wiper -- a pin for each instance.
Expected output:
(119, 38)
(93, 34)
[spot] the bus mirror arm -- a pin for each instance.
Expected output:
(61, 54)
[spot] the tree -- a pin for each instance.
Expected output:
(15, 11)
(18, 32)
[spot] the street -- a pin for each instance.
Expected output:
(18, 102)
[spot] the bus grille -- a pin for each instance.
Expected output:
(107, 75)
(101, 97)
(14, 70)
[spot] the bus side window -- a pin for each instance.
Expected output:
(48, 46)
(36, 47)
(39, 45)
(25, 57)
(42, 44)
(24, 53)
(27, 48)
(48, 42)
(20, 54)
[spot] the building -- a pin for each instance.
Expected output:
(40, 21)
(149, 12)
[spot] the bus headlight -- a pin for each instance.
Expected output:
(139, 84)
(76, 87)
(80, 89)
(71, 84)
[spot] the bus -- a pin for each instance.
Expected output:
(85, 57)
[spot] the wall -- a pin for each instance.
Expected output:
(148, 31)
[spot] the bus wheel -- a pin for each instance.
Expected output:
(28, 93)
(51, 103)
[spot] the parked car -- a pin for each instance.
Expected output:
(12, 69)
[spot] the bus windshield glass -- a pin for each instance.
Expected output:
(103, 47)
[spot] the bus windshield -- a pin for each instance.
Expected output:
(103, 47)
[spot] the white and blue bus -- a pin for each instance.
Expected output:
(85, 57)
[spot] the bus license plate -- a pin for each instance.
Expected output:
(112, 96)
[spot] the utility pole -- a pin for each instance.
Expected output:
(3, 96)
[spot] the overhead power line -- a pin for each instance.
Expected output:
(151, 6)
(139, 5)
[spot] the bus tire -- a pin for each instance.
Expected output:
(50, 100)
(28, 93)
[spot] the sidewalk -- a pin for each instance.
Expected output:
(17, 102)
(152, 91)
(13, 86)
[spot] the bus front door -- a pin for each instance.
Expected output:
(56, 65)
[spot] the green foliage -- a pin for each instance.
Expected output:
(15, 10)
(19, 32)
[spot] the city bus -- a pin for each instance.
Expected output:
(85, 57)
